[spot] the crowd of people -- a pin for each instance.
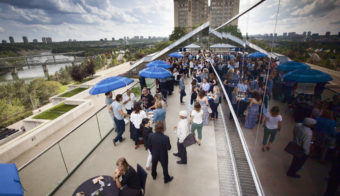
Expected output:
(250, 85)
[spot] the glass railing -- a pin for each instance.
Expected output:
(247, 178)
(51, 168)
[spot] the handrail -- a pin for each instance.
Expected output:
(52, 145)
(233, 162)
(243, 141)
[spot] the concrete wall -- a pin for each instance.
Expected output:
(19, 145)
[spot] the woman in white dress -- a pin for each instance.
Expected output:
(136, 119)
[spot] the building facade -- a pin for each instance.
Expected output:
(223, 10)
(25, 40)
(11, 40)
(46, 40)
(192, 13)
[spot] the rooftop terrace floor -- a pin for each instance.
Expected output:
(198, 177)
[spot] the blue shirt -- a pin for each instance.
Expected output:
(116, 107)
(242, 88)
(325, 125)
(181, 84)
(108, 101)
(254, 85)
(158, 114)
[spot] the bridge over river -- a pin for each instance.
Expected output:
(13, 64)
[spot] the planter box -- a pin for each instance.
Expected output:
(43, 129)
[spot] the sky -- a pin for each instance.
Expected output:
(93, 19)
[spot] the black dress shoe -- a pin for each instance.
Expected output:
(294, 175)
(169, 180)
(176, 154)
(181, 162)
(154, 177)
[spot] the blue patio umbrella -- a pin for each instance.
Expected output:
(307, 76)
(110, 84)
(291, 66)
(176, 55)
(155, 72)
(257, 55)
(9, 180)
(159, 63)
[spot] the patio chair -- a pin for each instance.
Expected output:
(142, 177)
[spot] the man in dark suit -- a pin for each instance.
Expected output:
(159, 144)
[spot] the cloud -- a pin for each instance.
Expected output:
(316, 8)
(86, 19)
(2, 30)
(93, 19)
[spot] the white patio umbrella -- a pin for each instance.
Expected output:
(220, 45)
(192, 46)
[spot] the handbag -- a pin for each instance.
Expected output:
(209, 110)
(189, 140)
(245, 113)
(294, 149)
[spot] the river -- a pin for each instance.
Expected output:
(33, 72)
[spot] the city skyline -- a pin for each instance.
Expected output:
(90, 20)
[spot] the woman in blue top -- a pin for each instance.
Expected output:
(159, 114)
(325, 132)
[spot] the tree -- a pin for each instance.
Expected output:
(177, 33)
(62, 76)
(232, 29)
(77, 73)
(42, 90)
(89, 68)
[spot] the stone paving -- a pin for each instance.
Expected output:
(198, 177)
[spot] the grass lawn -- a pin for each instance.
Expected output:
(136, 90)
(72, 92)
(55, 112)
(63, 88)
(85, 80)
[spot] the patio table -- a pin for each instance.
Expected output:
(90, 189)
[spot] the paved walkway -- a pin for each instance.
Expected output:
(98, 102)
(198, 177)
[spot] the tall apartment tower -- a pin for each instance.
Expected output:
(190, 13)
(11, 40)
(25, 40)
(223, 10)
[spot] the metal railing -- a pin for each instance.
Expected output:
(52, 167)
(240, 149)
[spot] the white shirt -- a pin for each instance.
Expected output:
(237, 64)
(242, 87)
(182, 130)
(136, 119)
(191, 64)
(198, 116)
(129, 104)
(205, 86)
(272, 122)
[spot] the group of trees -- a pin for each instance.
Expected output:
(79, 72)
(328, 53)
(19, 98)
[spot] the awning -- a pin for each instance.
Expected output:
(222, 46)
